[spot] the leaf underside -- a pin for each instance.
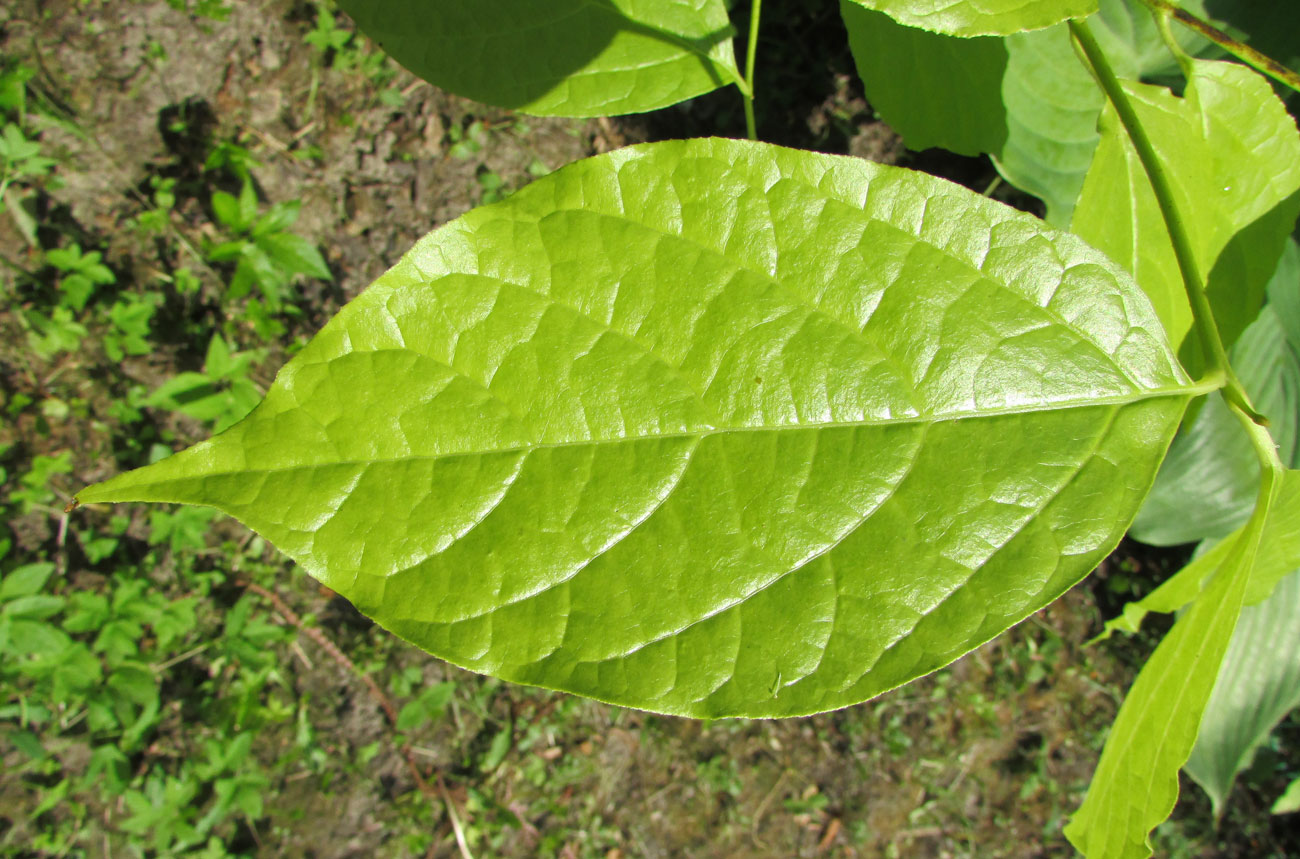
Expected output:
(710, 428)
(558, 57)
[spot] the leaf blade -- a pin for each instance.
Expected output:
(567, 58)
(674, 394)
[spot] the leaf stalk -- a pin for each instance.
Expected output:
(1193, 281)
(751, 56)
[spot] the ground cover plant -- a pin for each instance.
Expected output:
(780, 355)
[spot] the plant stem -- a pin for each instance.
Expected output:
(1240, 50)
(751, 54)
(1193, 282)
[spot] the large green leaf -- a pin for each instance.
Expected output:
(1207, 484)
(1136, 783)
(558, 57)
(1025, 99)
(1258, 684)
(709, 427)
(1232, 154)
(981, 17)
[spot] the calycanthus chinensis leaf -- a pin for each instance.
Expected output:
(709, 427)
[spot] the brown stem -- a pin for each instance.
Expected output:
(1238, 49)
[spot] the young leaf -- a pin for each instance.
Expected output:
(294, 255)
(709, 427)
(1258, 684)
(558, 57)
(981, 17)
(1136, 783)
(1233, 157)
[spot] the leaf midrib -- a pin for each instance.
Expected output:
(1101, 402)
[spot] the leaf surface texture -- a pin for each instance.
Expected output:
(711, 428)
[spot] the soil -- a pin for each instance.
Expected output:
(986, 758)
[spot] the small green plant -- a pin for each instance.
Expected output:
(725, 429)
(20, 158)
(267, 256)
(220, 393)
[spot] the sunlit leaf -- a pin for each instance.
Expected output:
(981, 17)
(1232, 154)
(709, 427)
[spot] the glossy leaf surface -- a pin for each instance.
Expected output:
(709, 427)
(558, 57)
(981, 17)
(1233, 157)
(1259, 683)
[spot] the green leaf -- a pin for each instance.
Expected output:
(558, 57)
(34, 607)
(1136, 782)
(1233, 157)
(981, 17)
(1025, 99)
(1206, 486)
(1258, 684)
(1289, 801)
(25, 581)
(1278, 555)
(294, 255)
(934, 90)
(278, 218)
(709, 427)
(226, 208)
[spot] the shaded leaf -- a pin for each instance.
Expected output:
(1025, 99)
(934, 90)
(1206, 486)
(1258, 684)
(558, 57)
(711, 428)
(1278, 555)
(294, 254)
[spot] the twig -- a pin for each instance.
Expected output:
(385, 704)
(1248, 55)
